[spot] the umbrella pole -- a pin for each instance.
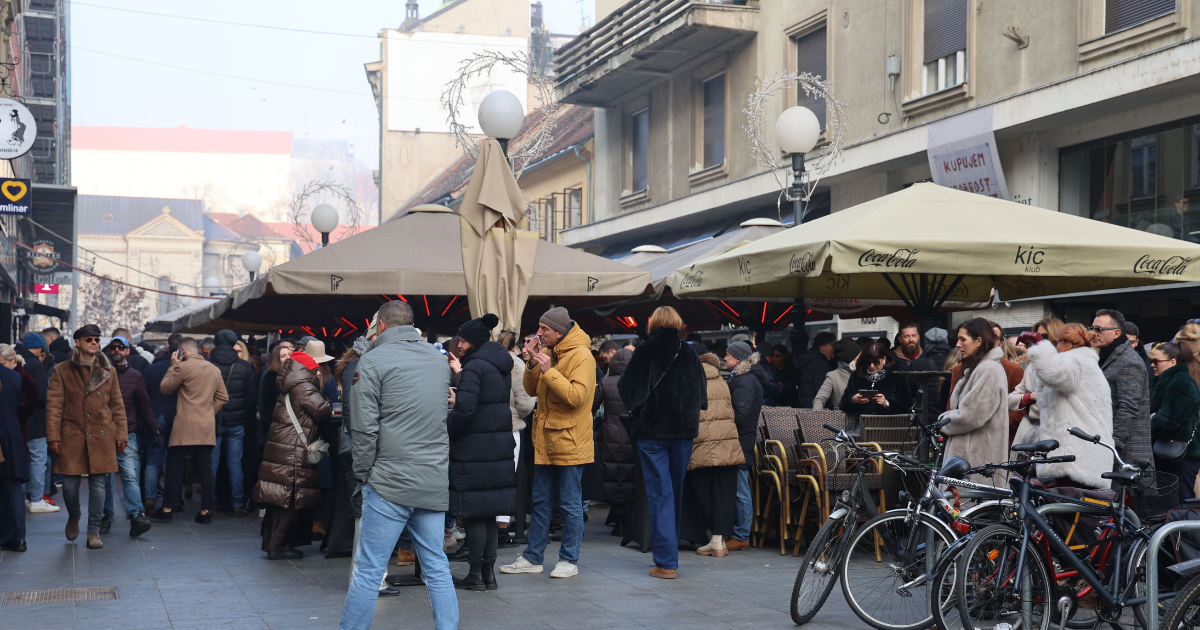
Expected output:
(799, 331)
(924, 295)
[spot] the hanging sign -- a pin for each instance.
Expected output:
(50, 289)
(45, 261)
(962, 154)
(18, 129)
(15, 197)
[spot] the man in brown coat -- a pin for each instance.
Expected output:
(85, 428)
(201, 394)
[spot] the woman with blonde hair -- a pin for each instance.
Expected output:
(1072, 392)
(663, 387)
(1023, 397)
(1190, 336)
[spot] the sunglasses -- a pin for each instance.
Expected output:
(1100, 329)
(90, 339)
(1157, 361)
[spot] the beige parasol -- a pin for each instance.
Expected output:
(498, 251)
(928, 243)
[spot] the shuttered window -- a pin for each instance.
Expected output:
(811, 58)
(945, 28)
(1122, 14)
(714, 121)
(639, 141)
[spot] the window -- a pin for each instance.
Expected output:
(714, 122)
(1122, 14)
(1143, 161)
(811, 58)
(945, 45)
(639, 151)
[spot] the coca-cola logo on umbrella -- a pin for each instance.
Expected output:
(1170, 266)
(900, 259)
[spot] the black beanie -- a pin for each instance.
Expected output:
(478, 331)
(226, 338)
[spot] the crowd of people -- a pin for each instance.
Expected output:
(382, 452)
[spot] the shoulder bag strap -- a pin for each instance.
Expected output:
(287, 401)
(660, 378)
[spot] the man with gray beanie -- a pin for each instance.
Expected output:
(242, 387)
(561, 371)
(746, 384)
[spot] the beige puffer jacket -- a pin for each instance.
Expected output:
(717, 444)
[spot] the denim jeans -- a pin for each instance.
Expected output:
(380, 527)
(95, 499)
(232, 437)
(127, 462)
(664, 464)
(741, 529)
(38, 462)
(153, 464)
(565, 482)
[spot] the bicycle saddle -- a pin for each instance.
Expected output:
(954, 468)
(1045, 446)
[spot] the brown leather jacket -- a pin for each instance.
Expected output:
(285, 478)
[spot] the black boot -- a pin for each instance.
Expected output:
(473, 580)
(138, 526)
(488, 571)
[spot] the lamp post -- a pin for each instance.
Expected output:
(501, 117)
(325, 219)
(185, 300)
(252, 261)
(797, 131)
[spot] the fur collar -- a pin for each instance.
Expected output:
(744, 366)
(709, 358)
(97, 372)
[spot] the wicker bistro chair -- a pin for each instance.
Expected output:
(797, 475)
(837, 474)
(892, 433)
(765, 472)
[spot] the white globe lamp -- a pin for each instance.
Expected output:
(252, 261)
(501, 116)
(324, 219)
(797, 130)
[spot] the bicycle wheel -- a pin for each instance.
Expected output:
(819, 571)
(892, 593)
(988, 591)
(942, 585)
(1184, 610)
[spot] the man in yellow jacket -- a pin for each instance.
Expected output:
(562, 374)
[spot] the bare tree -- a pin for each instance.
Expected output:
(110, 305)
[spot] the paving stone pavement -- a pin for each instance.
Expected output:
(184, 575)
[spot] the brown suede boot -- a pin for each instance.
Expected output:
(405, 557)
(72, 527)
(659, 572)
(94, 541)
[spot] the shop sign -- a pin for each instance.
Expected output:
(962, 154)
(45, 262)
(49, 289)
(18, 129)
(15, 197)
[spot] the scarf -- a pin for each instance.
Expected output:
(1108, 350)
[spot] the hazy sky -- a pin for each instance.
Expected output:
(110, 86)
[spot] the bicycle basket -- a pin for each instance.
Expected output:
(1154, 496)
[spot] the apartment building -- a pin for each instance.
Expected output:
(1092, 106)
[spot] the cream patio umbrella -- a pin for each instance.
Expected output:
(928, 244)
(498, 250)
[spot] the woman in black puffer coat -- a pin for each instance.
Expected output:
(483, 483)
(618, 457)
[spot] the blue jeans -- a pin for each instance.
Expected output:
(664, 464)
(38, 462)
(567, 483)
(741, 528)
(232, 437)
(127, 462)
(379, 529)
(153, 464)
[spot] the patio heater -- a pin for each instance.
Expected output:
(324, 219)
(252, 261)
(797, 131)
(501, 117)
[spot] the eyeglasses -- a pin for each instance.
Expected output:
(1100, 329)
(1157, 361)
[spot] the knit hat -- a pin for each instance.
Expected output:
(478, 331)
(845, 351)
(936, 335)
(226, 338)
(87, 330)
(558, 319)
(740, 350)
(303, 359)
(33, 340)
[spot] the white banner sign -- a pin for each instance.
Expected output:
(962, 154)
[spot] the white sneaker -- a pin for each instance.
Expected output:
(262, 512)
(522, 566)
(26, 504)
(41, 506)
(564, 569)
(455, 533)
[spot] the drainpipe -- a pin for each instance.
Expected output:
(591, 195)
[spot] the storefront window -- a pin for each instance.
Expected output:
(1146, 180)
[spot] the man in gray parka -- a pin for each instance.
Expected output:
(401, 458)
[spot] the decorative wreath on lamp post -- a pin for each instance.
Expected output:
(480, 64)
(767, 153)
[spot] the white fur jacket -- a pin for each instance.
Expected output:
(1071, 392)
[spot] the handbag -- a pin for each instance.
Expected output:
(1172, 451)
(315, 451)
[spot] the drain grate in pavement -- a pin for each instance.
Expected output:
(59, 596)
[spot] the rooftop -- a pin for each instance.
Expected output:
(246, 225)
(99, 214)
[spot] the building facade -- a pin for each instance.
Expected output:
(1092, 105)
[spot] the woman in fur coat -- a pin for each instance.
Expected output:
(1024, 398)
(978, 414)
(1071, 392)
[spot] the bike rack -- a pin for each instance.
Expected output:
(1156, 541)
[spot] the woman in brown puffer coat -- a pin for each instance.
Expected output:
(287, 484)
(710, 488)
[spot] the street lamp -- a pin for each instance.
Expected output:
(252, 261)
(213, 286)
(501, 116)
(185, 300)
(325, 219)
(797, 131)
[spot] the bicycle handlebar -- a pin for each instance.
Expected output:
(1138, 465)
